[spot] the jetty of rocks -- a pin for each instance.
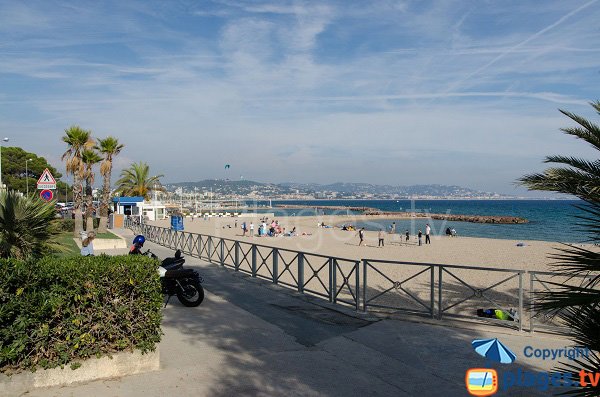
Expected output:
(499, 219)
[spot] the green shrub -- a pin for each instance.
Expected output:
(56, 311)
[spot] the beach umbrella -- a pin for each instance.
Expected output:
(494, 350)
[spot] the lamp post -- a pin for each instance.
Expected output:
(3, 140)
(27, 175)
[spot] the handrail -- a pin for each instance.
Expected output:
(322, 277)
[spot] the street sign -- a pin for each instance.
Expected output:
(46, 181)
(46, 195)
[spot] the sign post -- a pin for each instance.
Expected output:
(45, 184)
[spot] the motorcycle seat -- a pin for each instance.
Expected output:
(180, 273)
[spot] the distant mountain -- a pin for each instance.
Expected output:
(335, 190)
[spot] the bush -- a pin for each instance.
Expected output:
(56, 311)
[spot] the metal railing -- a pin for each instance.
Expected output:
(461, 290)
(333, 278)
(435, 290)
(541, 282)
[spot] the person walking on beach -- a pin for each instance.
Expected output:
(380, 236)
(407, 234)
(420, 235)
(393, 228)
(361, 236)
(427, 232)
(251, 229)
(244, 229)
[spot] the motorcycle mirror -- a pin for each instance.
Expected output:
(177, 254)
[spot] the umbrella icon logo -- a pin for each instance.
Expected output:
(494, 350)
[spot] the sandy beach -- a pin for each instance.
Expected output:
(333, 241)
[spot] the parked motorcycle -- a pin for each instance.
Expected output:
(175, 280)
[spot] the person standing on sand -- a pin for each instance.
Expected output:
(427, 232)
(407, 234)
(393, 228)
(380, 236)
(361, 236)
(244, 229)
(251, 229)
(420, 235)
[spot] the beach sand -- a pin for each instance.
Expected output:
(470, 251)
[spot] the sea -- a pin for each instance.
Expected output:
(549, 220)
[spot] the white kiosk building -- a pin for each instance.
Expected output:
(138, 207)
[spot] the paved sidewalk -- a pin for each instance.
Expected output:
(250, 338)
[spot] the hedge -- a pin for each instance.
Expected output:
(56, 311)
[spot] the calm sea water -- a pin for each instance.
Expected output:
(549, 220)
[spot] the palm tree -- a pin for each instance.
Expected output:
(109, 147)
(27, 226)
(577, 306)
(77, 140)
(89, 158)
(135, 181)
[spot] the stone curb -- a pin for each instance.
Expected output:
(121, 364)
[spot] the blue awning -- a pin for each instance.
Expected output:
(128, 200)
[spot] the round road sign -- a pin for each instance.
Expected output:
(46, 195)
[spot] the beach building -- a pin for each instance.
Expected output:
(137, 207)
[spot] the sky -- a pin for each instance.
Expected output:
(462, 92)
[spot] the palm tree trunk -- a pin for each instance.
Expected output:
(102, 227)
(89, 207)
(77, 201)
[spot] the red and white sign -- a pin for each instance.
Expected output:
(46, 195)
(46, 181)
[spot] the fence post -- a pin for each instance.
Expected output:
(237, 256)
(275, 254)
(432, 301)
(440, 268)
(300, 272)
(253, 260)
(520, 301)
(222, 251)
(332, 280)
(209, 249)
(357, 282)
(531, 301)
(364, 289)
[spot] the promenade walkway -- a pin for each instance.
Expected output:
(251, 338)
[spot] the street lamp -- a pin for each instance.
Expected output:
(27, 175)
(3, 140)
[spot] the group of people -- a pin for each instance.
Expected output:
(392, 230)
(265, 229)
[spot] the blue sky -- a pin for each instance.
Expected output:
(396, 92)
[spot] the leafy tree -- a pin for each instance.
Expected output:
(578, 306)
(77, 140)
(28, 226)
(14, 170)
(89, 158)
(108, 147)
(136, 181)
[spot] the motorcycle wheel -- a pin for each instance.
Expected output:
(192, 294)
